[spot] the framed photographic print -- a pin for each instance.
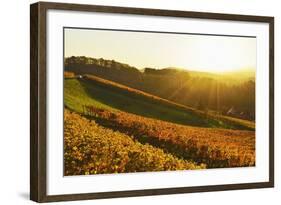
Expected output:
(134, 102)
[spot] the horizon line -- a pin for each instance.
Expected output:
(173, 67)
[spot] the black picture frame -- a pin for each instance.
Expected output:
(38, 102)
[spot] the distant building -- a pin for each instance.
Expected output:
(231, 111)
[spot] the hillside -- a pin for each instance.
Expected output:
(101, 93)
(222, 93)
(113, 128)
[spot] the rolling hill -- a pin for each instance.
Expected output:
(105, 94)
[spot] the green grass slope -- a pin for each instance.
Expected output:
(91, 90)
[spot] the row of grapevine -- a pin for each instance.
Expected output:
(212, 146)
(93, 149)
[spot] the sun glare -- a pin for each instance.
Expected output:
(217, 54)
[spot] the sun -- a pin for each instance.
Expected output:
(217, 54)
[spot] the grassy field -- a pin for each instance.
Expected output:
(105, 94)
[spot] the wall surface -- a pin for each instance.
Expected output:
(14, 109)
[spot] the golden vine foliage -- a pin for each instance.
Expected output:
(93, 149)
(212, 146)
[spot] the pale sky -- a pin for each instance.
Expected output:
(160, 50)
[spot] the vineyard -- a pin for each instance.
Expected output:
(211, 146)
(92, 149)
(111, 128)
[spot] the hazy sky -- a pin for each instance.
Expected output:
(159, 50)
